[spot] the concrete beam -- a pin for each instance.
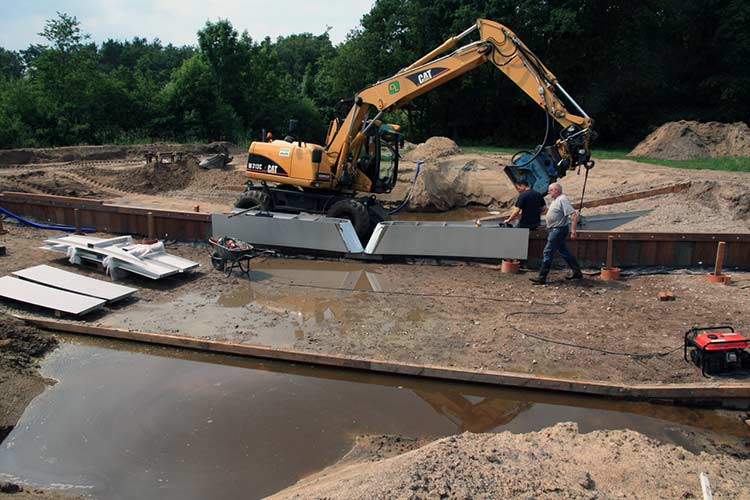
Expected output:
(449, 239)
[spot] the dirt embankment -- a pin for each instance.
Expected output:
(555, 463)
(687, 140)
(106, 152)
(154, 177)
(21, 348)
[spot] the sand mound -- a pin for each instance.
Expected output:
(151, 178)
(686, 140)
(729, 199)
(460, 182)
(433, 148)
(555, 463)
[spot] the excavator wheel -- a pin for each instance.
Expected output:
(356, 212)
(258, 199)
(377, 214)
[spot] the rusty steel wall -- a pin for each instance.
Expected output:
(118, 219)
(590, 247)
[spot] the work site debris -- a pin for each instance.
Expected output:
(151, 261)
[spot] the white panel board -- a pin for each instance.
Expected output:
(72, 282)
(44, 296)
(153, 265)
(449, 239)
(313, 232)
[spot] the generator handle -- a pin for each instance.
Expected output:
(694, 330)
(697, 329)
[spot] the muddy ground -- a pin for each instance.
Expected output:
(460, 315)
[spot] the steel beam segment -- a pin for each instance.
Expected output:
(449, 239)
(313, 232)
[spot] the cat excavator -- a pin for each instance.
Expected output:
(360, 156)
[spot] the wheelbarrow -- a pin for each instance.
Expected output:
(229, 254)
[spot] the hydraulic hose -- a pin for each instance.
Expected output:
(44, 226)
(411, 190)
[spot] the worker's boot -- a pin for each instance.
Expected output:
(543, 272)
(577, 274)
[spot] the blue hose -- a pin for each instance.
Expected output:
(44, 226)
(411, 190)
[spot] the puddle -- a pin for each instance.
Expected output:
(321, 299)
(132, 421)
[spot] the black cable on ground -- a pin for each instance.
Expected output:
(562, 310)
(579, 346)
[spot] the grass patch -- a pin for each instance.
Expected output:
(731, 164)
(490, 149)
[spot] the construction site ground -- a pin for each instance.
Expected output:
(462, 316)
(452, 185)
(459, 315)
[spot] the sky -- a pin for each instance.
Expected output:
(178, 21)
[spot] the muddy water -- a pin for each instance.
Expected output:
(126, 421)
(240, 312)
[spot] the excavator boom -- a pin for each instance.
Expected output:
(360, 154)
(497, 45)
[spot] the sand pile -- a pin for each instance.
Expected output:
(151, 178)
(449, 179)
(433, 148)
(729, 199)
(555, 463)
(687, 140)
(460, 182)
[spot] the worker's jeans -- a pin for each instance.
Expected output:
(556, 243)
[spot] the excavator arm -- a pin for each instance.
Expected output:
(497, 45)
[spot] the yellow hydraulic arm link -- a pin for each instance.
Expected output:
(497, 44)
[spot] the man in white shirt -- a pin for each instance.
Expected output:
(559, 213)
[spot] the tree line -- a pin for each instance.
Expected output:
(631, 65)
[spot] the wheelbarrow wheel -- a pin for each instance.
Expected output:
(217, 262)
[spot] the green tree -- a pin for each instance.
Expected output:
(194, 108)
(11, 64)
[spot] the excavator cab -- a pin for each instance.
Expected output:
(378, 156)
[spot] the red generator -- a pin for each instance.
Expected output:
(717, 349)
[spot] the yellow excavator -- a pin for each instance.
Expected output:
(361, 153)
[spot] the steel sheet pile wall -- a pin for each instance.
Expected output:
(652, 249)
(117, 219)
(630, 249)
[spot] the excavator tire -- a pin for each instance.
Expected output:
(251, 199)
(377, 214)
(356, 212)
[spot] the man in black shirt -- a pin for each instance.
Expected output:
(529, 205)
